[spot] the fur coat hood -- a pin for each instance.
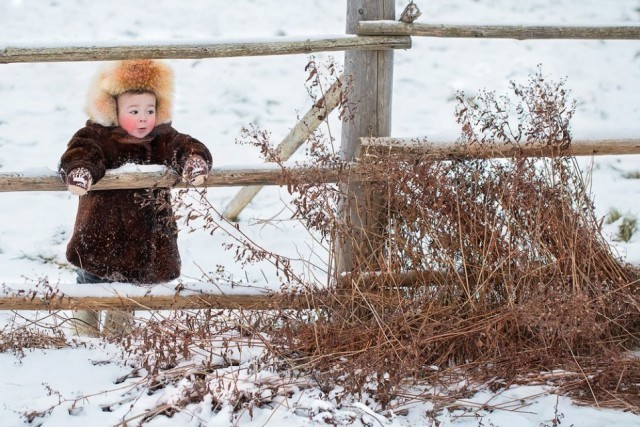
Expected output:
(119, 77)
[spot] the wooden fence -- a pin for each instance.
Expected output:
(371, 36)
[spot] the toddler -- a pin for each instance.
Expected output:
(127, 235)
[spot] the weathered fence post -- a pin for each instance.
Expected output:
(371, 75)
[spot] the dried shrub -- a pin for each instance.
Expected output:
(494, 264)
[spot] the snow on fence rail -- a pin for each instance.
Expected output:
(371, 35)
(199, 50)
(414, 147)
(272, 174)
(123, 296)
(518, 32)
(265, 174)
(202, 295)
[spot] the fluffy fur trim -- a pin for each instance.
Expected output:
(118, 77)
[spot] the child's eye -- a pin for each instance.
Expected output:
(134, 112)
(151, 112)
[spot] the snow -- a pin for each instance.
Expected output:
(42, 106)
(172, 43)
(132, 167)
(129, 290)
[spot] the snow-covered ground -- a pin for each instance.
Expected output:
(42, 106)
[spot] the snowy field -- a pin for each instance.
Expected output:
(42, 106)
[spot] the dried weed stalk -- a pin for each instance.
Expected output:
(16, 338)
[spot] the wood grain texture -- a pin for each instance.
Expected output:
(178, 302)
(226, 49)
(415, 148)
(371, 79)
(517, 32)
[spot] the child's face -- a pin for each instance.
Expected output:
(137, 113)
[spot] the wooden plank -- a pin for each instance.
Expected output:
(518, 32)
(414, 147)
(126, 296)
(378, 146)
(229, 302)
(280, 46)
(113, 180)
(393, 280)
(371, 75)
(178, 302)
(290, 144)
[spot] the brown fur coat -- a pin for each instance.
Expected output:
(127, 235)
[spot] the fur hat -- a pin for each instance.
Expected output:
(119, 77)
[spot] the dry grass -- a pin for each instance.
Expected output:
(16, 337)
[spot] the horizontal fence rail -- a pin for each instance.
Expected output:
(268, 174)
(124, 296)
(518, 32)
(272, 174)
(178, 302)
(411, 147)
(285, 46)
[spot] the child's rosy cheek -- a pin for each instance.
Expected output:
(127, 122)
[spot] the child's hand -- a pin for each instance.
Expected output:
(79, 181)
(195, 170)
